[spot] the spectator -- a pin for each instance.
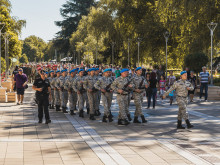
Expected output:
(152, 90)
(13, 75)
(160, 72)
(171, 79)
(117, 72)
(162, 85)
(192, 79)
(204, 80)
(21, 81)
(148, 81)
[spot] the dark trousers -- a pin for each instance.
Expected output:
(204, 85)
(152, 93)
(43, 103)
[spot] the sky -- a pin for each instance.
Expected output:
(39, 15)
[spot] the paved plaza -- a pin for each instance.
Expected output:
(71, 140)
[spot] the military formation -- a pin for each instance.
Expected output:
(84, 88)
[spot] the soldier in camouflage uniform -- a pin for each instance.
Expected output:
(92, 93)
(139, 88)
(104, 85)
(52, 83)
(72, 95)
(121, 86)
(181, 87)
(63, 92)
(80, 90)
(56, 91)
(97, 113)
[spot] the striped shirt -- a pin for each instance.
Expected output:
(204, 77)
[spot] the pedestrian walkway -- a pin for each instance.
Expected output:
(73, 140)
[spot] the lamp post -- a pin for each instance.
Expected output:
(212, 27)
(129, 51)
(113, 44)
(0, 53)
(139, 42)
(166, 36)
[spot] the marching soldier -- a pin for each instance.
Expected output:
(92, 93)
(80, 90)
(72, 95)
(104, 85)
(52, 98)
(181, 87)
(63, 92)
(122, 85)
(56, 91)
(139, 88)
(99, 92)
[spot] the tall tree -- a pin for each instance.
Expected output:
(72, 12)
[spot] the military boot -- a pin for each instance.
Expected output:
(92, 117)
(125, 122)
(57, 108)
(97, 113)
(52, 107)
(143, 119)
(119, 121)
(110, 118)
(136, 120)
(81, 113)
(104, 119)
(88, 110)
(64, 110)
(179, 125)
(188, 124)
(72, 112)
(129, 117)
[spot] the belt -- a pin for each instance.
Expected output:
(122, 94)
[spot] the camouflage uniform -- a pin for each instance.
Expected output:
(122, 99)
(63, 93)
(182, 93)
(78, 85)
(99, 92)
(139, 83)
(92, 96)
(102, 83)
(52, 83)
(56, 92)
(72, 95)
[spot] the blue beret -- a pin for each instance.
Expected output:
(72, 70)
(64, 70)
(46, 72)
(57, 71)
(138, 68)
(89, 70)
(51, 71)
(124, 70)
(96, 69)
(106, 70)
(77, 69)
(80, 70)
(183, 72)
(92, 69)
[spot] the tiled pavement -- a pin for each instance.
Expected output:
(73, 140)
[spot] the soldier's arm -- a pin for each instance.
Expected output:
(173, 87)
(66, 84)
(114, 85)
(97, 84)
(74, 85)
(85, 84)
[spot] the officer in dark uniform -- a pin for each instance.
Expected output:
(42, 88)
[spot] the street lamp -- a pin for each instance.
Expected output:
(129, 51)
(3, 25)
(212, 27)
(139, 42)
(166, 36)
(113, 44)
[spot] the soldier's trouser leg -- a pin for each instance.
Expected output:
(128, 104)
(99, 97)
(105, 104)
(87, 100)
(71, 100)
(74, 100)
(182, 113)
(81, 100)
(57, 98)
(138, 100)
(109, 99)
(96, 98)
(122, 103)
(92, 103)
(65, 98)
(52, 97)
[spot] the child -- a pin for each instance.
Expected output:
(171, 96)
(162, 85)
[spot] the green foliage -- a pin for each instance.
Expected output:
(34, 47)
(72, 12)
(23, 59)
(196, 61)
(12, 27)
